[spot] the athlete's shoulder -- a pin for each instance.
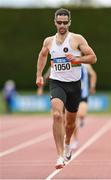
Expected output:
(48, 42)
(48, 39)
(77, 36)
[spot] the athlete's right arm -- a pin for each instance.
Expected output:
(46, 77)
(93, 79)
(41, 62)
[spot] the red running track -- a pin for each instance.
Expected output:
(27, 149)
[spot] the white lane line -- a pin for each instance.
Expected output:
(26, 144)
(94, 138)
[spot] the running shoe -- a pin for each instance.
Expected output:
(67, 152)
(74, 144)
(60, 163)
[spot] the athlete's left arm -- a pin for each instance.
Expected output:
(88, 55)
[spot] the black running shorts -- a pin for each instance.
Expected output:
(85, 99)
(68, 92)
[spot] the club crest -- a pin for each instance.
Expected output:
(65, 49)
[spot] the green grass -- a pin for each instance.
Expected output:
(3, 106)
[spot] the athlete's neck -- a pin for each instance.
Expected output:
(61, 37)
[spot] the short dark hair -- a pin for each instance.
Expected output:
(63, 12)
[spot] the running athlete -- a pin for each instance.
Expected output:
(88, 84)
(68, 50)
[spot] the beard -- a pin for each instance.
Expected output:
(62, 30)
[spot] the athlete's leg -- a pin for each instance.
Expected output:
(58, 99)
(70, 125)
(72, 105)
(75, 142)
(82, 112)
(58, 124)
(69, 128)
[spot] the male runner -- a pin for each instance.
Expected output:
(68, 50)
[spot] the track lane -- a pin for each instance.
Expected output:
(37, 161)
(91, 160)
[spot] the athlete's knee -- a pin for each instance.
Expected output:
(57, 115)
(70, 124)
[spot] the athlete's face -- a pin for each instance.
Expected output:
(62, 23)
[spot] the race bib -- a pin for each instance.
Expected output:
(58, 67)
(61, 64)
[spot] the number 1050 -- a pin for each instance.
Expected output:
(62, 66)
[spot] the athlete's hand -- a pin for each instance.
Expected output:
(92, 90)
(72, 58)
(40, 81)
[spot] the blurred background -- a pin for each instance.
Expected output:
(23, 26)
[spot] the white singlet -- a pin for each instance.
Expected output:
(84, 82)
(61, 68)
